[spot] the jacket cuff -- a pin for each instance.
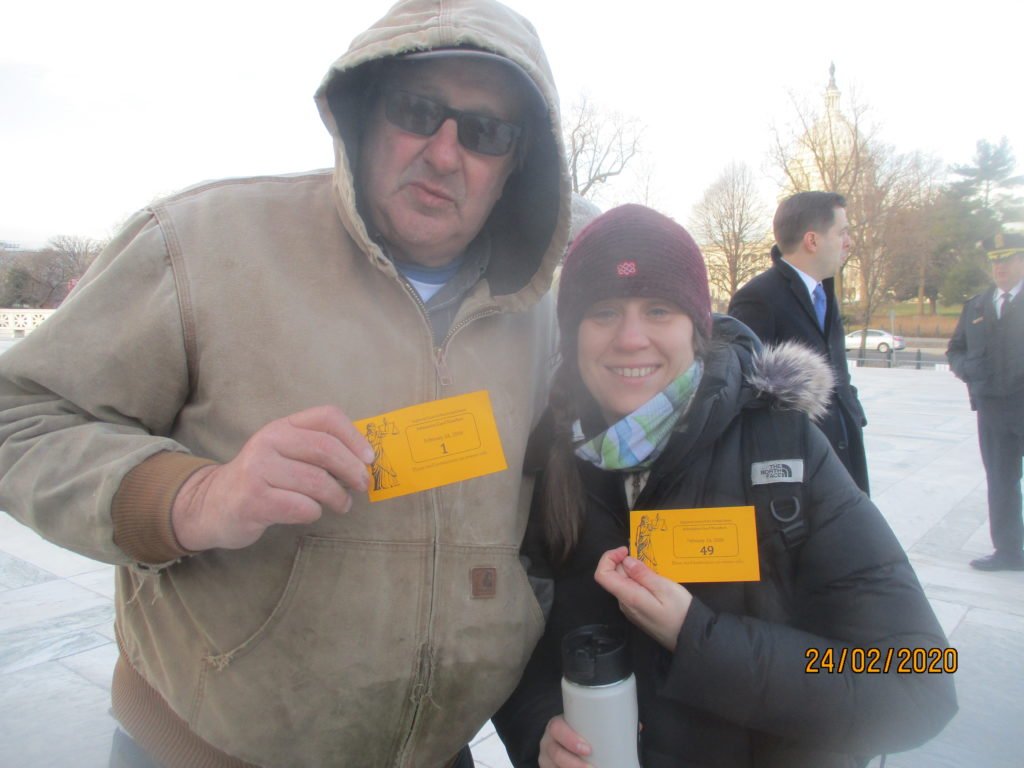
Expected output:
(141, 509)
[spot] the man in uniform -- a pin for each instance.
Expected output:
(987, 352)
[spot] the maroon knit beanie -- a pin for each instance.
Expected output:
(633, 251)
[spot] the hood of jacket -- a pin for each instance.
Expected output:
(529, 226)
(792, 376)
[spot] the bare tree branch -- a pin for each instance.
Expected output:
(42, 278)
(731, 223)
(835, 151)
(601, 145)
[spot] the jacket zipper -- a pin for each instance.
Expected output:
(444, 376)
(421, 682)
(424, 666)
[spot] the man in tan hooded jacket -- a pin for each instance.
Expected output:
(187, 414)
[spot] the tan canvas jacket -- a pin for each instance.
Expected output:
(358, 640)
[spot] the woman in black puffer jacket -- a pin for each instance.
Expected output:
(648, 412)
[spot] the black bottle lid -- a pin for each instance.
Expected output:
(594, 655)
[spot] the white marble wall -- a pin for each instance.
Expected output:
(19, 322)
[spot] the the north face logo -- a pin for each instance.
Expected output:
(777, 471)
(626, 268)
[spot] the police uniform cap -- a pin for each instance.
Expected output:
(1003, 246)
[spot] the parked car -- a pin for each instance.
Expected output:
(883, 341)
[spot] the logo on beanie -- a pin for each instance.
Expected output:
(626, 268)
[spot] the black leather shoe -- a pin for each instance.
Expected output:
(999, 562)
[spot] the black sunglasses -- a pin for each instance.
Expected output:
(423, 116)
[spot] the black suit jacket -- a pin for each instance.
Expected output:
(777, 307)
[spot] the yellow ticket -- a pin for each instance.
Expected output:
(432, 444)
(697, 545)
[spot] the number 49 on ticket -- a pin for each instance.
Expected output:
(697, 545)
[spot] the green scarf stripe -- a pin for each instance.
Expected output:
(636, 440)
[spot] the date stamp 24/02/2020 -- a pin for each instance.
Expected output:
(880, 661)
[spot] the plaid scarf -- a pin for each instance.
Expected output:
(636, 440)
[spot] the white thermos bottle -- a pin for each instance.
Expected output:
(599, 695)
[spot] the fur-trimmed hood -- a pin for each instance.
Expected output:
(740, 373)
(794, 376)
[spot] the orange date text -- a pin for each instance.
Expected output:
(880, 661)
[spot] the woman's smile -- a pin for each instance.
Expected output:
(635, 373)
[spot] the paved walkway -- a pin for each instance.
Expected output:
(57, 650)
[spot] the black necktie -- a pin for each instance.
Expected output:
(1005, 305)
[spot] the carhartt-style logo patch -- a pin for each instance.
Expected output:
(626, 268)
(484, 581)
(777, 471)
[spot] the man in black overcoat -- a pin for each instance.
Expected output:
(794, 300)
(987, 352)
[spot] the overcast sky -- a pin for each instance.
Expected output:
(109, 104)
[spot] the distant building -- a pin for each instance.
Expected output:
(826, 157)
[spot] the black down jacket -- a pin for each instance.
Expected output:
(736, 691)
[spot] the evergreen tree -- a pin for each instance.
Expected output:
(963, 280)
(990, 186)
